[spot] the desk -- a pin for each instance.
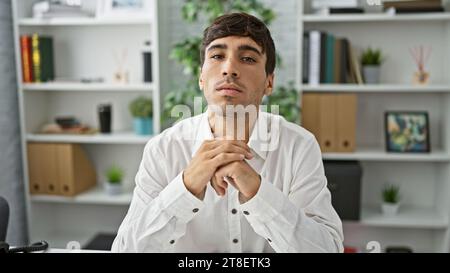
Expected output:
(62, 250)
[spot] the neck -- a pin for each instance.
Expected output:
(234, 127)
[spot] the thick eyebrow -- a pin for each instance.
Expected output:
(249, 48)
(241, 48)
(217, 46)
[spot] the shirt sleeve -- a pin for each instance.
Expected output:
(159, 210)
(304, 220)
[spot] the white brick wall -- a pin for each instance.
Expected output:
(283, 29)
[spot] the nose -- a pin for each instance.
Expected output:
(230, 69)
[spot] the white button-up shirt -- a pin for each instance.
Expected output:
(291, 212)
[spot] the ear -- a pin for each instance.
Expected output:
(200, 81)
(269, 84)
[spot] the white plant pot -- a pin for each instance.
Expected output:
(113, 189)
(389, 209)
(371, 74)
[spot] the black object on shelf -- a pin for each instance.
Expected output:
(147, 55)
(398, 249)
(346, 10)
(105, 117)
(67, 122)
(101, 241)
(344, 183)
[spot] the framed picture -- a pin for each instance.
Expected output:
(124, 8)
(407, 132)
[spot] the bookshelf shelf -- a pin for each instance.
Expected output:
(372, 88)
(114, 138)
(408, 217)
(81, 87)
(376, 18)
(373, 154)
(96, 196)
(30, 22)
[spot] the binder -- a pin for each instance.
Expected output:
(346, 122)
(327, 118)
(41, 165)
(59, 169)
(318, 117)
(75, 171)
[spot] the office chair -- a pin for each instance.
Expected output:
(4, 218)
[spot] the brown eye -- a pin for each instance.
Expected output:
(248, 59)
(217, 57)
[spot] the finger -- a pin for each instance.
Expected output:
(219, 190)
(229, 148)
(220, 182)
(225, 158)
(217, 143)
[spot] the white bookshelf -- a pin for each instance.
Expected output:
(83, 22)
(96, 196)
(85, 48)
(408, 217)
(374, 18)
(88, 87)
(113, 138)
(422, 222)
(374, 154)
(376, 88)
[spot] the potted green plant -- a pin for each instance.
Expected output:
(141, 109)
(371, 62)
(391, 199)
(114, 176)
(287, 99)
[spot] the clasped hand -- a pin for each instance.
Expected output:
(222, 162)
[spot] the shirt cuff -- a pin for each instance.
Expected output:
(267, 203)
(177, 200)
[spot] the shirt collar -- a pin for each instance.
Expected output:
(259, 137)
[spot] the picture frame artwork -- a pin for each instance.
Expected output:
(124, 8)
(407, 132)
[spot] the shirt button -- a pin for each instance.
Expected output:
(195, 210)
(235, 241)
(268, 239)
(172, 242)
(234, 211)
(246, 212)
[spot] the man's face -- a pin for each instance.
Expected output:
(234, 73)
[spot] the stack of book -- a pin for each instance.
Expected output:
(414, 6)
(37, 58)
(325, 7)
(328, 59)
(59, 9)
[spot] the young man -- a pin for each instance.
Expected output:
(230, 181)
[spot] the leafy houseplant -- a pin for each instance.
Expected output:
(141, 109)
(391, 199)
(187, 52)
(288, 101)
(371, 61)
(114, 175)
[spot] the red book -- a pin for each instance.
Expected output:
(27, 64)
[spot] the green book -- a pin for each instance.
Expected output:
(329, 66)
(43, 60)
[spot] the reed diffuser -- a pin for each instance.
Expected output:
(421, 56)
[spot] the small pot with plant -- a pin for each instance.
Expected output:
(371, 61)
(141, 109)
(391, 198)
(114, 175)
